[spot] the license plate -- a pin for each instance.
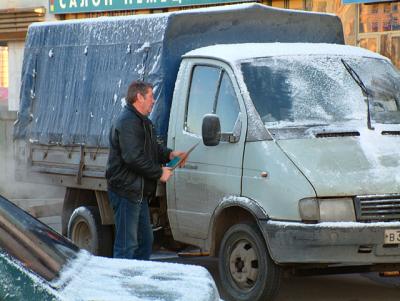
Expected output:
(392, 236)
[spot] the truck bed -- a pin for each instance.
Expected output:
(76, 73)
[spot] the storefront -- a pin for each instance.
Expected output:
(379, 29)
(3, 75)
(14, 22)
(372, 24)
(76, 9)
(15, 17)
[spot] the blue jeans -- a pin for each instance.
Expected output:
(133, 230)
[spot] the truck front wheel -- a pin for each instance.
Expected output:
(87, 232)
(247, 271)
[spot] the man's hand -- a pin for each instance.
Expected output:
(166, 174)
(179, 154)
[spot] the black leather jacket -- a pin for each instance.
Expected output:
(134, 162)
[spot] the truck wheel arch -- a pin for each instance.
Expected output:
(230, 211)
(74, 198)
(246, 269)
(91, 209)
(86, 231)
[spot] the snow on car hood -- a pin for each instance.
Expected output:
(98, 278)
(361, 165)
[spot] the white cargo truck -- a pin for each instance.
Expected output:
(298, 160)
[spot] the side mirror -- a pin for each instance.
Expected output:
(211, 130)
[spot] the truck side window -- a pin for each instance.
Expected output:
(227, 105)
(203, 90)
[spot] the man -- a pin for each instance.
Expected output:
(133, 168)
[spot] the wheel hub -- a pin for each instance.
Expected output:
(243, 264)
(239, 264)
(81, 236)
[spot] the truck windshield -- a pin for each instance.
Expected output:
(290, 91)
(32, 243)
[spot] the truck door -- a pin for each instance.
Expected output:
(211, 173)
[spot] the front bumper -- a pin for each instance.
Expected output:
(331, 243)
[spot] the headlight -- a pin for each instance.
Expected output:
(327, 210)
(309, 209)
(337, 210)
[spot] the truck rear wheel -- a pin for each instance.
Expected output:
(247, 271)
(87, 232)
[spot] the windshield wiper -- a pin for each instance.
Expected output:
(364, 90)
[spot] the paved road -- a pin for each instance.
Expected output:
(347, 287)
(350, 287)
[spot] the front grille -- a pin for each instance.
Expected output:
(377, 208)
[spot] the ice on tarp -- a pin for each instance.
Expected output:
(95, 59)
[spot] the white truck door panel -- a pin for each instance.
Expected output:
(210, 173)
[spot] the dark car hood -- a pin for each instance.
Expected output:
(110, 279)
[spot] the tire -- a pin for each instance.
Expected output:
(87, 232)
(246, 269)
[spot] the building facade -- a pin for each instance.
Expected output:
(15, 17)
(371, 24)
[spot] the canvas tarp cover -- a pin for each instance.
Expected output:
(76, 73)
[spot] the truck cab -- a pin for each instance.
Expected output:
(303, 172)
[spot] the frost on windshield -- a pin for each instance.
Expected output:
(385, 92)
(314, 89)
(76, 74)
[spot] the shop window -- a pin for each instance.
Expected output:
(374, 27)
(322, 6)
(395, 23)
(383, 20)
(387, 8)
(385, 45)
(373, 9)
(278, 3)
(3, 76)
(296, 4)
(387, 26)
(369, 43)
(293, 4)
(396, 51)
(308, 4)
(379, 17)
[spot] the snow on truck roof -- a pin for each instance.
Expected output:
(239, 52)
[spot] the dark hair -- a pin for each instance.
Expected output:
(136, 87)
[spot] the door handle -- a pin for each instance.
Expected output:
(190, 166)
